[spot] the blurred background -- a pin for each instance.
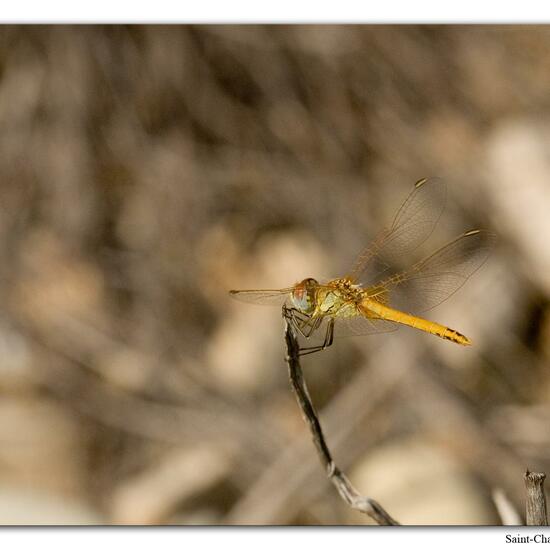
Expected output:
(147, 170)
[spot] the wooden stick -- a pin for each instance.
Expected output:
(346, 490)
(536, 501)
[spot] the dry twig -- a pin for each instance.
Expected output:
(346, 490)
(536, 501)
(342, 417)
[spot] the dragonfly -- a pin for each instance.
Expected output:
(375, 297)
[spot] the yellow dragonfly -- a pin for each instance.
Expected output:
(371, 299)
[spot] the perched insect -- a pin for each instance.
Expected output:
(369, 300)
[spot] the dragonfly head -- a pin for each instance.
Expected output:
(303, 295)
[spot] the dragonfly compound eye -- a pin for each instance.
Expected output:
(303, 296)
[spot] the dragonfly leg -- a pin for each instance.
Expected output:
(306, 326)
(310, 326)
(303, 323)
(329, 337)
(295, 318)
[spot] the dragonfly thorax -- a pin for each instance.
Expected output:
(303, 295)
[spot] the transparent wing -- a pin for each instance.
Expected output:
(434, 279)
(359, 326)
(273, 297)
(414, 222)
(262, 297)
(350, 326)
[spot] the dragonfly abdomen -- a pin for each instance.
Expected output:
(372, 308)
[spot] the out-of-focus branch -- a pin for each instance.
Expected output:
(506, 510)
(346, 490)
(536, 501)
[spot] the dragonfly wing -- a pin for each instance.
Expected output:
(350, 326)
(434, 279)
(262, 297)
(359, 326)
(414, 222)
(273, 297)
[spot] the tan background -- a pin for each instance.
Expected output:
(145, 171)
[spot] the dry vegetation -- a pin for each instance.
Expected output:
(147, 170)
